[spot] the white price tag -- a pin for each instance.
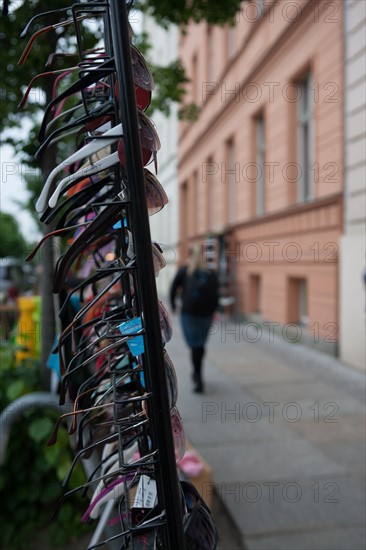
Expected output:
(146, 493)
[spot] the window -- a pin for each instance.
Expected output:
(195, 205)
(230, 179)
(210, 55)
(184, 212)
(231, 41)
(303, 303)
(305, 138)
(298, 301)
(255, 9)
(260, 162)
(210, 194)
(255, 294)
(194, 79)
(210, 250)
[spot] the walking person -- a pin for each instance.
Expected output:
(198, 288)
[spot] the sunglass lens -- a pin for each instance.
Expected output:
(141, 73)
(156, 197)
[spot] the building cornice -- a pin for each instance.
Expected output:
(290, 211)
(280, 215)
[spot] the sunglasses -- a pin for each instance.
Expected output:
(178, 433)
(89, 122)
(62, 72)
(110, 467)
(113, 438)
(73, 195)
(92, 428)
(165, 323)
(150, 144)
(85, 191)
(88, 55)
(158, 258)
(172, 381)
(200, 532)
(88, 282)
(171, 377)
(25, 31)
(156, 197)
(56, 233)
(89, 149)
(99, 226)
(113, 491)
(94, 75)
(92, 318)
(84, 487)
(45, 30)
(66, 115)
(143, 80)
(68, 330)
(81, 203)
(100, 420)
(144, 83)
(114, 347)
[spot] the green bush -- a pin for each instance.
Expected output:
(31, 474)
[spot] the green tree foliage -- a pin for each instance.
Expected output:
(12, 242)
(181, 12)
(16, 78)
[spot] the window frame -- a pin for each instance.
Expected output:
(305, 139)
(260, 159)
(231, 172)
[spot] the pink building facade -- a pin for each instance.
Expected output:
(261, 168)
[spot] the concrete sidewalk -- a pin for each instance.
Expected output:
(283, 428)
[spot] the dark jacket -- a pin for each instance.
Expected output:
(199, 291)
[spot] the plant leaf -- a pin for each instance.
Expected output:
(40, 429)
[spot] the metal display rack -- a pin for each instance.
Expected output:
(116, 376)
(161, 430)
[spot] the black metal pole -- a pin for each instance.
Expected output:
(167, 483)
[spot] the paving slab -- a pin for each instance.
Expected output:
(351, 456)
(247, 369)
(334, 539)
(315, 390)
(231, 432)
(267, 508)
(316, 399)
(349, 428)
(286, 458)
